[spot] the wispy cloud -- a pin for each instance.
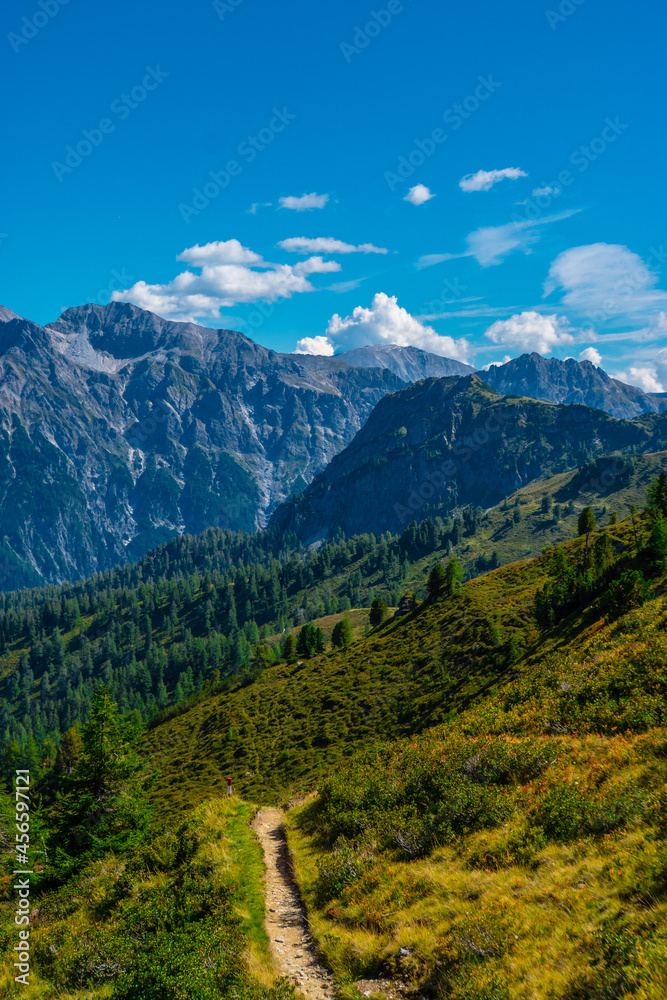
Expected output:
(326, 244)
(606, 282)
(484, 180)
(489, 245)
(305, 202)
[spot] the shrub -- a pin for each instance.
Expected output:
(345, 865)
(627, 593)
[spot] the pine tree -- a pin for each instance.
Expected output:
(585, 525)
(453, 576)
(436, 581)
(378, 611)
(69, 752)
(342, 633)
(289, 648)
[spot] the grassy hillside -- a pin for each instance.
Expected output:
(518, 852)
(182, 916)
(490, 810)
(409, 674)
(185, 620)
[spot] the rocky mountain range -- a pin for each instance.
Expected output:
(443, 443)
(570, 382)
(119, 429)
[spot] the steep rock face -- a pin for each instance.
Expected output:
(119, 429)
(569, 381)
(442, 443)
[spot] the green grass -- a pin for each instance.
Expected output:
(551, 883)
(192, 898)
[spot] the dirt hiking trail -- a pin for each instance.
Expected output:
(286, 923)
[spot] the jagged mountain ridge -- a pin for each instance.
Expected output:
(442, 443)
(410, 363)
(119, 429)
(578, 382)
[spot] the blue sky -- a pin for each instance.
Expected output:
(140, 133)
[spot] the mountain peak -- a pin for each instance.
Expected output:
(6, 315)
(98, 336)
(410, 363)
(570, 381)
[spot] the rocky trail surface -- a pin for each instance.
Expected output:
(286, 922)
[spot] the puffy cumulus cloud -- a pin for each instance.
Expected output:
(651, 376)
(644, 377)
(224, 252)
(419, 194)
(326, 244)
(590, 354)
(314, 345)
(388, 323)
(484, 180)
(545, 192)
(305, 202)
(230, 274)
(606, 281)
(489, 245)
(531, 331)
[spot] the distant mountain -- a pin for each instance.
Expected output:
(119, 429)
(569, 381)
(7, 314)
(443, 443)
(410, 363)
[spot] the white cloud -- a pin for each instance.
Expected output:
(305, 202)
(484, 180)
(544, 192)
(497, 364)
(489, 245)
(223, 252)
(388, 323)
(258, 204)
(530, 331)
(326, 244)
(606, 281)
(643, 376)
(314, 345)
(590, 354)
(419, 194)
(650, 376)
(230, 274)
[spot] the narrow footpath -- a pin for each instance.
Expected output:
(286, 924)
